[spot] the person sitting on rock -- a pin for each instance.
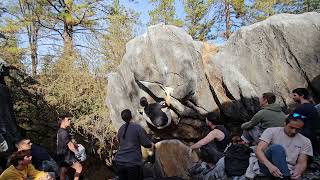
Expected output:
(282, 151)
(270, 115)
(312, 122)
(156, 114)
(22, 168)
(41, 158)
(128, 159)
(213, 145)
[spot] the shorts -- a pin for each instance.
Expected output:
(66, 161)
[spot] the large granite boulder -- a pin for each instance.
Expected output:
(277, 55)
(165, 57)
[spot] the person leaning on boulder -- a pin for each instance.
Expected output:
(282, 151)
(128, 159)
(270, 115)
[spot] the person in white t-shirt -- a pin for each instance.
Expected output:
(282, 151)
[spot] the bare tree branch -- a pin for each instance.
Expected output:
(53, 6)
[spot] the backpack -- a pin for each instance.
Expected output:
(237, 159)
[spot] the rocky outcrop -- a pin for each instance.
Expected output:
(172, 159)
(278, 55)
(165, 57)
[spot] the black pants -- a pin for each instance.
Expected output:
(210, 154)
(129, 173)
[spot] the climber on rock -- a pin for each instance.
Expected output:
(157, 114)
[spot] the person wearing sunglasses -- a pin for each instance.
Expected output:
(282, 151)
(311, 127)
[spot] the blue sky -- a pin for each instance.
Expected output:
(144, 6)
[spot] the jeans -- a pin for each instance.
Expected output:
(276, 154)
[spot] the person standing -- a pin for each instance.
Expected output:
(128, 160)
(66, 149)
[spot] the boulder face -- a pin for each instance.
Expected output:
(275, 55)
(165, 57)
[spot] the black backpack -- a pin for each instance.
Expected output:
(237, 159)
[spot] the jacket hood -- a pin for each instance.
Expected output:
(273, 107)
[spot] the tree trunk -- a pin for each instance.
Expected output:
(28, 10)
(34, 60)
(34, 48)
(228, 20)
(68, 39)
(68, 28)
(308, 5)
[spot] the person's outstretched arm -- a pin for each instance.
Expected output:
(214, 134)
(255, 120)
(144, 139)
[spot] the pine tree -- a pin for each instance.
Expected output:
(67, 17)
(164, 12)
(121, 23)
(198, 19)
(27, 11)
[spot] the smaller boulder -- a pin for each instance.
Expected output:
(172, 159)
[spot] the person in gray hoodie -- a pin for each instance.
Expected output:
(270, 115)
